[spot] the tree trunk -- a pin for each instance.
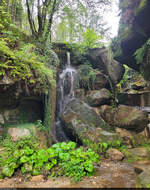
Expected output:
(49, 27)
(31, 22)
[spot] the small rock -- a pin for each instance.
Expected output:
(37, 178)
(114, 154)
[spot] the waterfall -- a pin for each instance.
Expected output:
(65, 93)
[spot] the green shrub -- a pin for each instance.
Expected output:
(60, 159)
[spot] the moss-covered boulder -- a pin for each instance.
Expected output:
(98, 97)
(125, 117)
(85, 124)
(80, 110)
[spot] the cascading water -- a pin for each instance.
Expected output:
(65, 93)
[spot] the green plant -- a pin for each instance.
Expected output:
(86, 76)
(91, 39)
(40, 126)
(141, 52)
(102, 147)
(124, 79)
(60, 159)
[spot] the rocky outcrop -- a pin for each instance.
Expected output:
(126, 117)
(98, 97)
(100, 59)
(85, 124)
(134, 31)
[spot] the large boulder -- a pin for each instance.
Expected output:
(84, 123)
(125, 117)
(100, 58)
(98, 97)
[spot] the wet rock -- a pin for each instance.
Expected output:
(137, 154)
(100, 81)
(17, 133)
(79, 93)
(125, 117)
(144, 178)
(141, 166)
(114, 154)
(67, 83)
(81, 111)
(140, 152)
(130, 118)
(107, 113)
(98, 98)
(116, 175)
(86, 124)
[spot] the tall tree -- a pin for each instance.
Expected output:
(44, 17)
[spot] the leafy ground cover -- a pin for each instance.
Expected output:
(60, 159)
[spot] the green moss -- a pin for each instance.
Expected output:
(48, 110)
(141, 6)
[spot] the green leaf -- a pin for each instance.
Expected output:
(24, 159)
(7, 171)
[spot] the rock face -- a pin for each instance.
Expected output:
(85, 123)
(134, 31)
(125, 117)
(98, 98)
(99, 58)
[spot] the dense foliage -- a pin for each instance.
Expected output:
(60, 159)
(141, 52)
(21, 60)
(86, 76)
